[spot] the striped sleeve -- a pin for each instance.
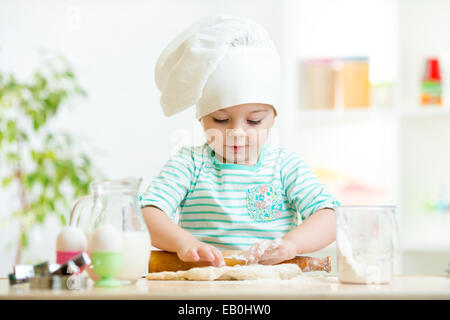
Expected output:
(170, 187)
(303, 189)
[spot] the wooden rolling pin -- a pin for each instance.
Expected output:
(169, 261)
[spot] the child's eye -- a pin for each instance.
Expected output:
(220, 120)
(254, 121)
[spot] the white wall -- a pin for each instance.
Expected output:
(113, 46)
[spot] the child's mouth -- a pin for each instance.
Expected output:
(237, 148)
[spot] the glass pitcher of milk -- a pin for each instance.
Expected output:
(116, 202)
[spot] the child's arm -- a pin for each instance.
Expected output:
(315, 233)
(168, 236)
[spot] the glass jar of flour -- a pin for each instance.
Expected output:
(365, 241)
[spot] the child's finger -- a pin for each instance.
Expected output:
(277, 255)
(257, 250)
(271, 257)
(205, 254)
(189, 255)
(219, 261)
(252, 253)
(271, 261)
(252, 256)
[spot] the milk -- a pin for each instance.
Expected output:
(136, 255)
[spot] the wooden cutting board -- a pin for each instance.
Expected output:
(169, 261)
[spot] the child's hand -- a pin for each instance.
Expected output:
(271, 251)
(197, 251)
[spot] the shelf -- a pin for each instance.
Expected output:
(426, 112)
(357, 114)
(371, 113)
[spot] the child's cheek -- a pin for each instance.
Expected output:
(214, 137)
(257, 138)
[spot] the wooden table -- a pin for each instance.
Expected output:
(313, 287)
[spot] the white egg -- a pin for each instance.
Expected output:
(106, 238)
(71, 239)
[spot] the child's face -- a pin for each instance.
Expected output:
(238, 133)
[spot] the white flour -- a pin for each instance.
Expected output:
(372, 267)
(238, 256)
(259, 248)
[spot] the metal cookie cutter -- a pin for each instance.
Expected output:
(53, 276)
(22, 273)
(56, 282)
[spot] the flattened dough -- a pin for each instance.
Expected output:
(238, 272)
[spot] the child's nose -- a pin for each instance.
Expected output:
(236, 132)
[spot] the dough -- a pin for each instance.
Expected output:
(238, 272)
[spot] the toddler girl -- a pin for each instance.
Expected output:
(234, 192)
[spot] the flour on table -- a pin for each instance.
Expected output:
(238, 272)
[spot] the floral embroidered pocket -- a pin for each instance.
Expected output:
(265, 202)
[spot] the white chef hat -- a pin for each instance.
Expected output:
(218, 62)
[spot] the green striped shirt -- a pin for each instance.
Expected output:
(233, 206)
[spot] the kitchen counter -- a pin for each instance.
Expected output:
(308, 287)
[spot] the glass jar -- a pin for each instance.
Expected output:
(116, 202)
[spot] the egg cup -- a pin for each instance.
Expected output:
(107, 264)
(63, 256)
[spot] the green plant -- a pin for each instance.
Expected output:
(41, 166)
